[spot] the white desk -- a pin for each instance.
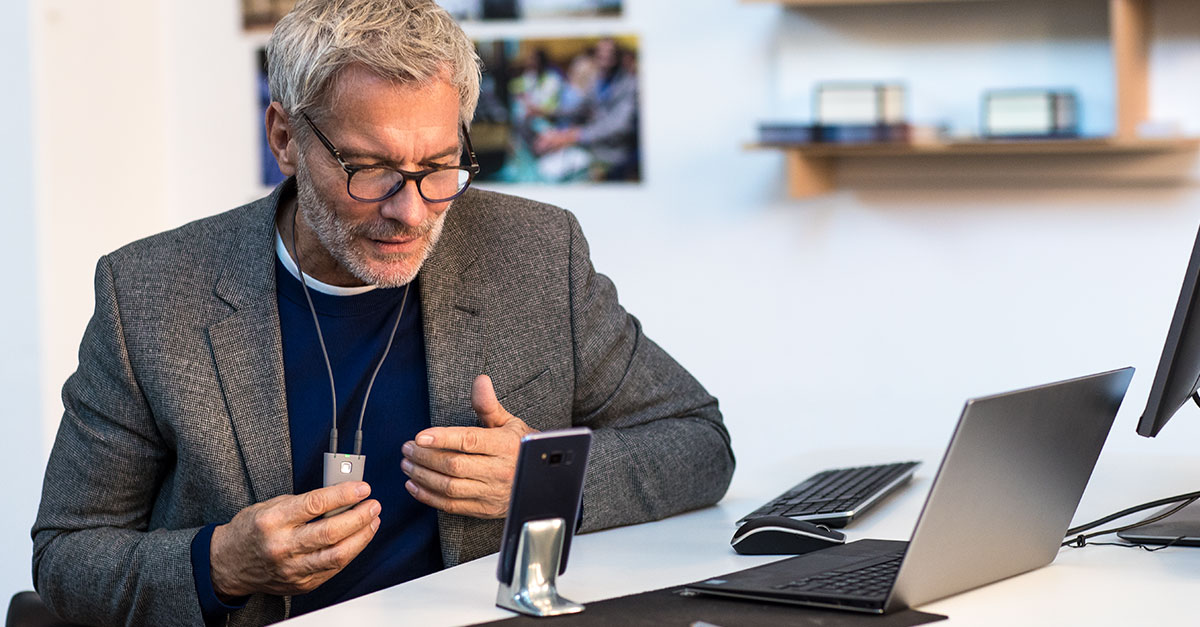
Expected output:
(1093, 586)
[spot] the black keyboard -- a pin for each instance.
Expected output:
(835, 497)
(872, 579)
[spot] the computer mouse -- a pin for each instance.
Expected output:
(780, 535)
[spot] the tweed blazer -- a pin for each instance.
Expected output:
(177, 417)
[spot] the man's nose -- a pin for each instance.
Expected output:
(406, 206)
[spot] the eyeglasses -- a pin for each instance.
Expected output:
(376, 183)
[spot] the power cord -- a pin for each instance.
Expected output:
(1133, 545)
(1081, 539)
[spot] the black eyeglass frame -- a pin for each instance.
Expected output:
(472, 168)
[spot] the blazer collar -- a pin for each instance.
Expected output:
(450, 275)
(248, 278)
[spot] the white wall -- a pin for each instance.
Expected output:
(20, 351)
(856, 321)
(101, 162)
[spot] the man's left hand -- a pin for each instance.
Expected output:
(467, 470)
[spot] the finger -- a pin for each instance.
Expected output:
(460, 465)
(487, 468)
(477, 508)
(307, 506)
(444, 485)
(331, 560)
(327, 532)
(473, 440)
(485, 404)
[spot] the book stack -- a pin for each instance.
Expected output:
(790, 133)
(848, 113)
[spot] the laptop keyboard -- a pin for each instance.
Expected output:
(872, 579)
(835, 497)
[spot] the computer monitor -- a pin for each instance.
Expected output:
(1175, 381)
(1178, 374)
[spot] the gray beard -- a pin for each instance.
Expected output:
(337, 237)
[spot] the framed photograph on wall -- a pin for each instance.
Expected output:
(530, 9)
(559, 110)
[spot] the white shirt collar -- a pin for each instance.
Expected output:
(285, 257)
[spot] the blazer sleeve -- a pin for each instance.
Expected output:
(96, 557)
(659, 445)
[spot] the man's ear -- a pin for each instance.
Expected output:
(282, 139)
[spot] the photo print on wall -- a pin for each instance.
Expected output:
(529, 9)
(559, 110)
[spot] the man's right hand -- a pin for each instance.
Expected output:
(272, 547)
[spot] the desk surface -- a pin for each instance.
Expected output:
(1095, 585)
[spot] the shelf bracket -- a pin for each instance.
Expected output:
(807, 175)
(1129, 26)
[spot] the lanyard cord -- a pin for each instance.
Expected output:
(333, 434)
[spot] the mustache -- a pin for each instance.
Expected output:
(391, 229)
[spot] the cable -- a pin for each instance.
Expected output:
(1082, 539)
(1137, 545)
(371, 384)
(1132, 510)
(333, 434)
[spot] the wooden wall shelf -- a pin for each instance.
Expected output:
(811, 167)
(992, 147)
(832, 3)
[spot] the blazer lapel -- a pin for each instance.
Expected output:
(454, 301)
(248, 351)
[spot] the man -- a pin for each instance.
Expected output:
(374, 288)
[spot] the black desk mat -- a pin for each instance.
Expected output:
(670, 608)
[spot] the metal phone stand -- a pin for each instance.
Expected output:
(533, 590)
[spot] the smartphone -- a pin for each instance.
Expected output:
(548, 484)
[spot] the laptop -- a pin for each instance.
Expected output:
(999, 506)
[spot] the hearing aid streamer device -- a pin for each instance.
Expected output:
(340, 468)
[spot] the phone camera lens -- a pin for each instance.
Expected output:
(555, 459)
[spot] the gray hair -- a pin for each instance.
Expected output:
(407, 41)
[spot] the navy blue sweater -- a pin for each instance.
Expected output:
(356, 329)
